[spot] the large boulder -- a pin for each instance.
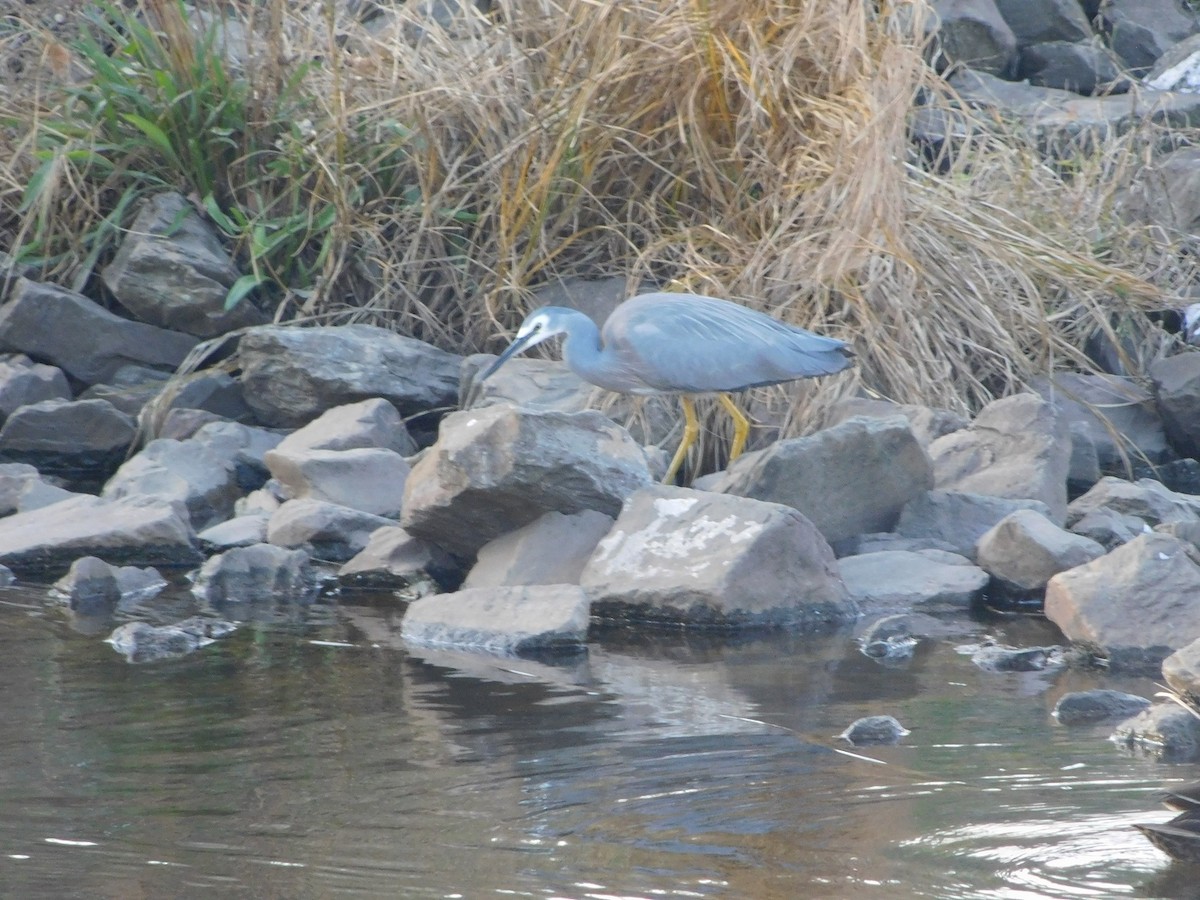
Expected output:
(81, 440)
(1137, 604)
(292, 375)
(1018, 447)
(684, 557)
(928, 423)
(1145, 500)
(172, 271)
(552, 549)
(372, 423)
(133, 531)
(1140, 31)
(973, 33)
(1116, 415)
(1176, 382)
(66, 329)
(1024, 550)
(495, 469)
(852, 478)
(1036, 21)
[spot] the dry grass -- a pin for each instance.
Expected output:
(752, 149)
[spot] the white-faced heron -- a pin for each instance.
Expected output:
(686, 344)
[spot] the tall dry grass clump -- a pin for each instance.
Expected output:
(431, 178)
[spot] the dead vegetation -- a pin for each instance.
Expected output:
(430, 179)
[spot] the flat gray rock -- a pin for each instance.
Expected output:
(898, 580)
(552, 549)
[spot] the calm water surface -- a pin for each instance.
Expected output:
(272, 766)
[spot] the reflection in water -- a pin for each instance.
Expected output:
(326, 761)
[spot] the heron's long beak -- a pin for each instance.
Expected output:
(519, 345)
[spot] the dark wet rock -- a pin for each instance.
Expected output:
(958, 519)
(1179, 475)
(1025, 549)
(852, 478)
(89, 343)
(1176, 382)
(889, 640)
(993, 657)
(135, 531)
(1036, 21)
(1140, 31)
(874, 730)
(1181, 671)
(973, 33)
(212, 391)
(22, 382)
(1016, 448)
(81, 440)
(1116, 415)
(394, 559)
(172, 271)
(1137, 604)
(927, 423)
(1086, 707)
(240, 531)
(496, 469)
(324, 530)
(1083, 67)
(92, 587)
(552, 549)
(901, 579)
(129, 388)
(373, 423)
(365, 478)
(141, 642)
(1164, 730)
(259, 574)
(1146, 500)
(501, 620)
(684, 557)
(292, 375)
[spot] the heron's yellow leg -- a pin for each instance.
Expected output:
(741, 426)
(691, 429)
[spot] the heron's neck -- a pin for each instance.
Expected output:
(581, 348)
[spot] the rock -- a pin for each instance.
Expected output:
(889, 640)
(141, 642)
(180, 424)
(1165, 192)
(927, 423)
(136, 531)
(972, 33)
(240, 531)
(685, 557)
(373, 424)
(852, 478)
(1178, 69)
(200, 475)
(1082, 67)
(1107, 528)
(888, 540)
(1036, 21)
(993, 657)
(82, 440)
(874, 730)
(502, 620)
(367, 479)
(1087, 707)
(92, 587)
(1176, 382)
(1181, 671)
(1164, 730)
(1016, 448)
(1137, 604)
(237, 579)
(172, 271)
(394, 559)
(900, 580)
(292, 375)
(325, 530)
(1024, 549)
(552, 549)
(82, 338)
(212, 391)
(1117, 415)
(129, 388)
(1146, 500)
(24, 382)
(496, 469)
(958, 519)
(544, 385)
(1140, 31)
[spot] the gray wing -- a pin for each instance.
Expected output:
(695, 344)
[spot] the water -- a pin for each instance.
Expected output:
(269, 766)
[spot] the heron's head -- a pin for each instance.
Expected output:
(537, 327)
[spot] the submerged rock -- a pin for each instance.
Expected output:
(874, 730)
(1086, 707)
(141, 642)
